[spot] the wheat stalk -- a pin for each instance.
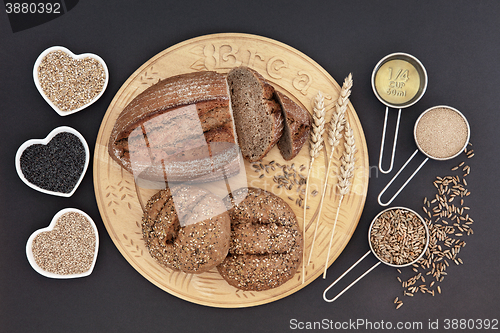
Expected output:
(318, 127)
(346, 173)
(336, 124)
(335, 128)
(316, 143)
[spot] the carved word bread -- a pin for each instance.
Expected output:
(266, 243)
(191, 127)
(186, 228)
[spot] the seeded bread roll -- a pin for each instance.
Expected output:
(257, 113)
(296, 129)
(186, 228)
(180, 128)
(266, 243)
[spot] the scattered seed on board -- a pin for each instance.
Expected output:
(284, 176)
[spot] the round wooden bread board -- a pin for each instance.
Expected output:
(120, 201)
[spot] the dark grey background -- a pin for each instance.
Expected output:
(457, 41)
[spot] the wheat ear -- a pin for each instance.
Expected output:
(346, 173)
(335, 128)
(316, 143)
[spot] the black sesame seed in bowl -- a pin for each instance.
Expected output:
(54, 165)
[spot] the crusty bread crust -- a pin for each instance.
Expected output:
(297, 127)
(189, 157)
(191, 127)
(186, 228)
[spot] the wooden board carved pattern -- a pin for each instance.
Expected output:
(119, 199)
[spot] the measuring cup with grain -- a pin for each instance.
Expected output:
(441, 133)
(397, 236)
(399, 80)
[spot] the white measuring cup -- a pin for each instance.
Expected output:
(380, 260)
(421, 147)
(399, 80)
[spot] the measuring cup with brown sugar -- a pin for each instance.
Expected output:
(441, 133)
(399, 80)
(398, 237)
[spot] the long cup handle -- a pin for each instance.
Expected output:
(396, 176)
(353, 283)
(382, 144)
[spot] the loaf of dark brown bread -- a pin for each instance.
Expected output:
(266, 243)
(191, 127)
(180, 129)
(296, 129)
(186, 228)
(257, 113)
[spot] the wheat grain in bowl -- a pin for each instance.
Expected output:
(67, 248)
(69, 82)
(398, 236)
(442, 132)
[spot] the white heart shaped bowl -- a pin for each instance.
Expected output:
(74, 56)
(31, 258)
(45, 141)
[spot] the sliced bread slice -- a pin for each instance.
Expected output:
(257, 114)
(297, 126)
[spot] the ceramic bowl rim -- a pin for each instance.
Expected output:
(45, 141)
(50, 227)
(74, 56)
